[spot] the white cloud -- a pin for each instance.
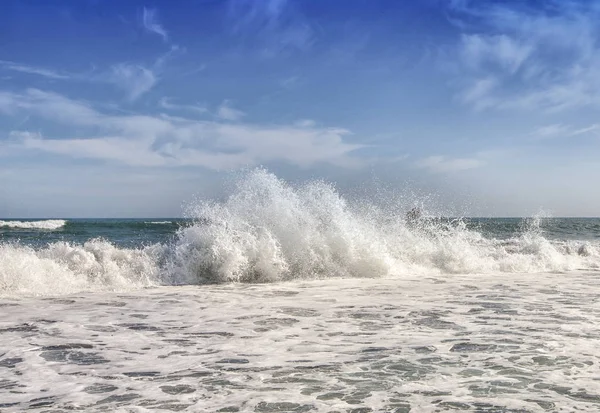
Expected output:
(141, 140)
(559, 130)
(443, 164)
(17, 67)
(48, 105)
(150, 22)
(105, 148)
(479, 93)
(135, 80)
(545, 58)
(227, 112)
(289, 82)
(550, 131)
(166, 103)
(275, 24)
(305, 123)
(509, 53)
(583, 131)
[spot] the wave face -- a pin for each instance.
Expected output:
(268, 231)
(49, 224)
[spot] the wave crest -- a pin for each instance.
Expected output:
(49, 224)
(268, 230)
(63, 268)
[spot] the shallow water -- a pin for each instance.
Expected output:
(489, 343)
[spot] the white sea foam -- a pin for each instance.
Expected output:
(270, 231)
(158, 222)
(62, 268)
(474, 342)
(50, 224)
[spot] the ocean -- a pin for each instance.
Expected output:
(293, 298)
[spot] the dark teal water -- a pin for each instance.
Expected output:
(121, 232)
(146, 231)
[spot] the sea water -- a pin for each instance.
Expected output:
(293, 298)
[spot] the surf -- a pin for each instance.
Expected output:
(49, 224)
(268, 230)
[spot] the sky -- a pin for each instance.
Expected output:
(133, 108)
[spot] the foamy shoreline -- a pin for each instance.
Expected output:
(434, 343)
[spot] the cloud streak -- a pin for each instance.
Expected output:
(134, 80)
(161, 141)
(274, 24)
(33, 70)
(559, 130)
(166, 103)
(226, 112)
(151, 23)
(514, 57)
(443, 164)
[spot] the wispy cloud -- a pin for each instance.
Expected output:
(502, 50)
(48, 105)
(275, 24)
(305, 123)
(33, 70)
(443, 164)
(227, 112)
(583, 131)
(479, 93)
(559, 130)
(289, 82)
(550, 131)
(151, 23)
(135, 80)
(544, 58)
(142, 140)
(167, 103)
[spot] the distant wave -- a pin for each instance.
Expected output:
(269, 231)
(159, 222)
(50, 224)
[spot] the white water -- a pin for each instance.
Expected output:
(269, 231)
(476, 342)
(50, 224)
(62, 268)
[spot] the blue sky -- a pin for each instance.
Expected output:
(131, 108)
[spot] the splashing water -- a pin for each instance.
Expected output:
(268, 230)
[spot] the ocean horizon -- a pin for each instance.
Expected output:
(296, 206)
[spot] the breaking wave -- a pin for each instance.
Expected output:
(49, 224)
(268, 231)
(63, 268)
